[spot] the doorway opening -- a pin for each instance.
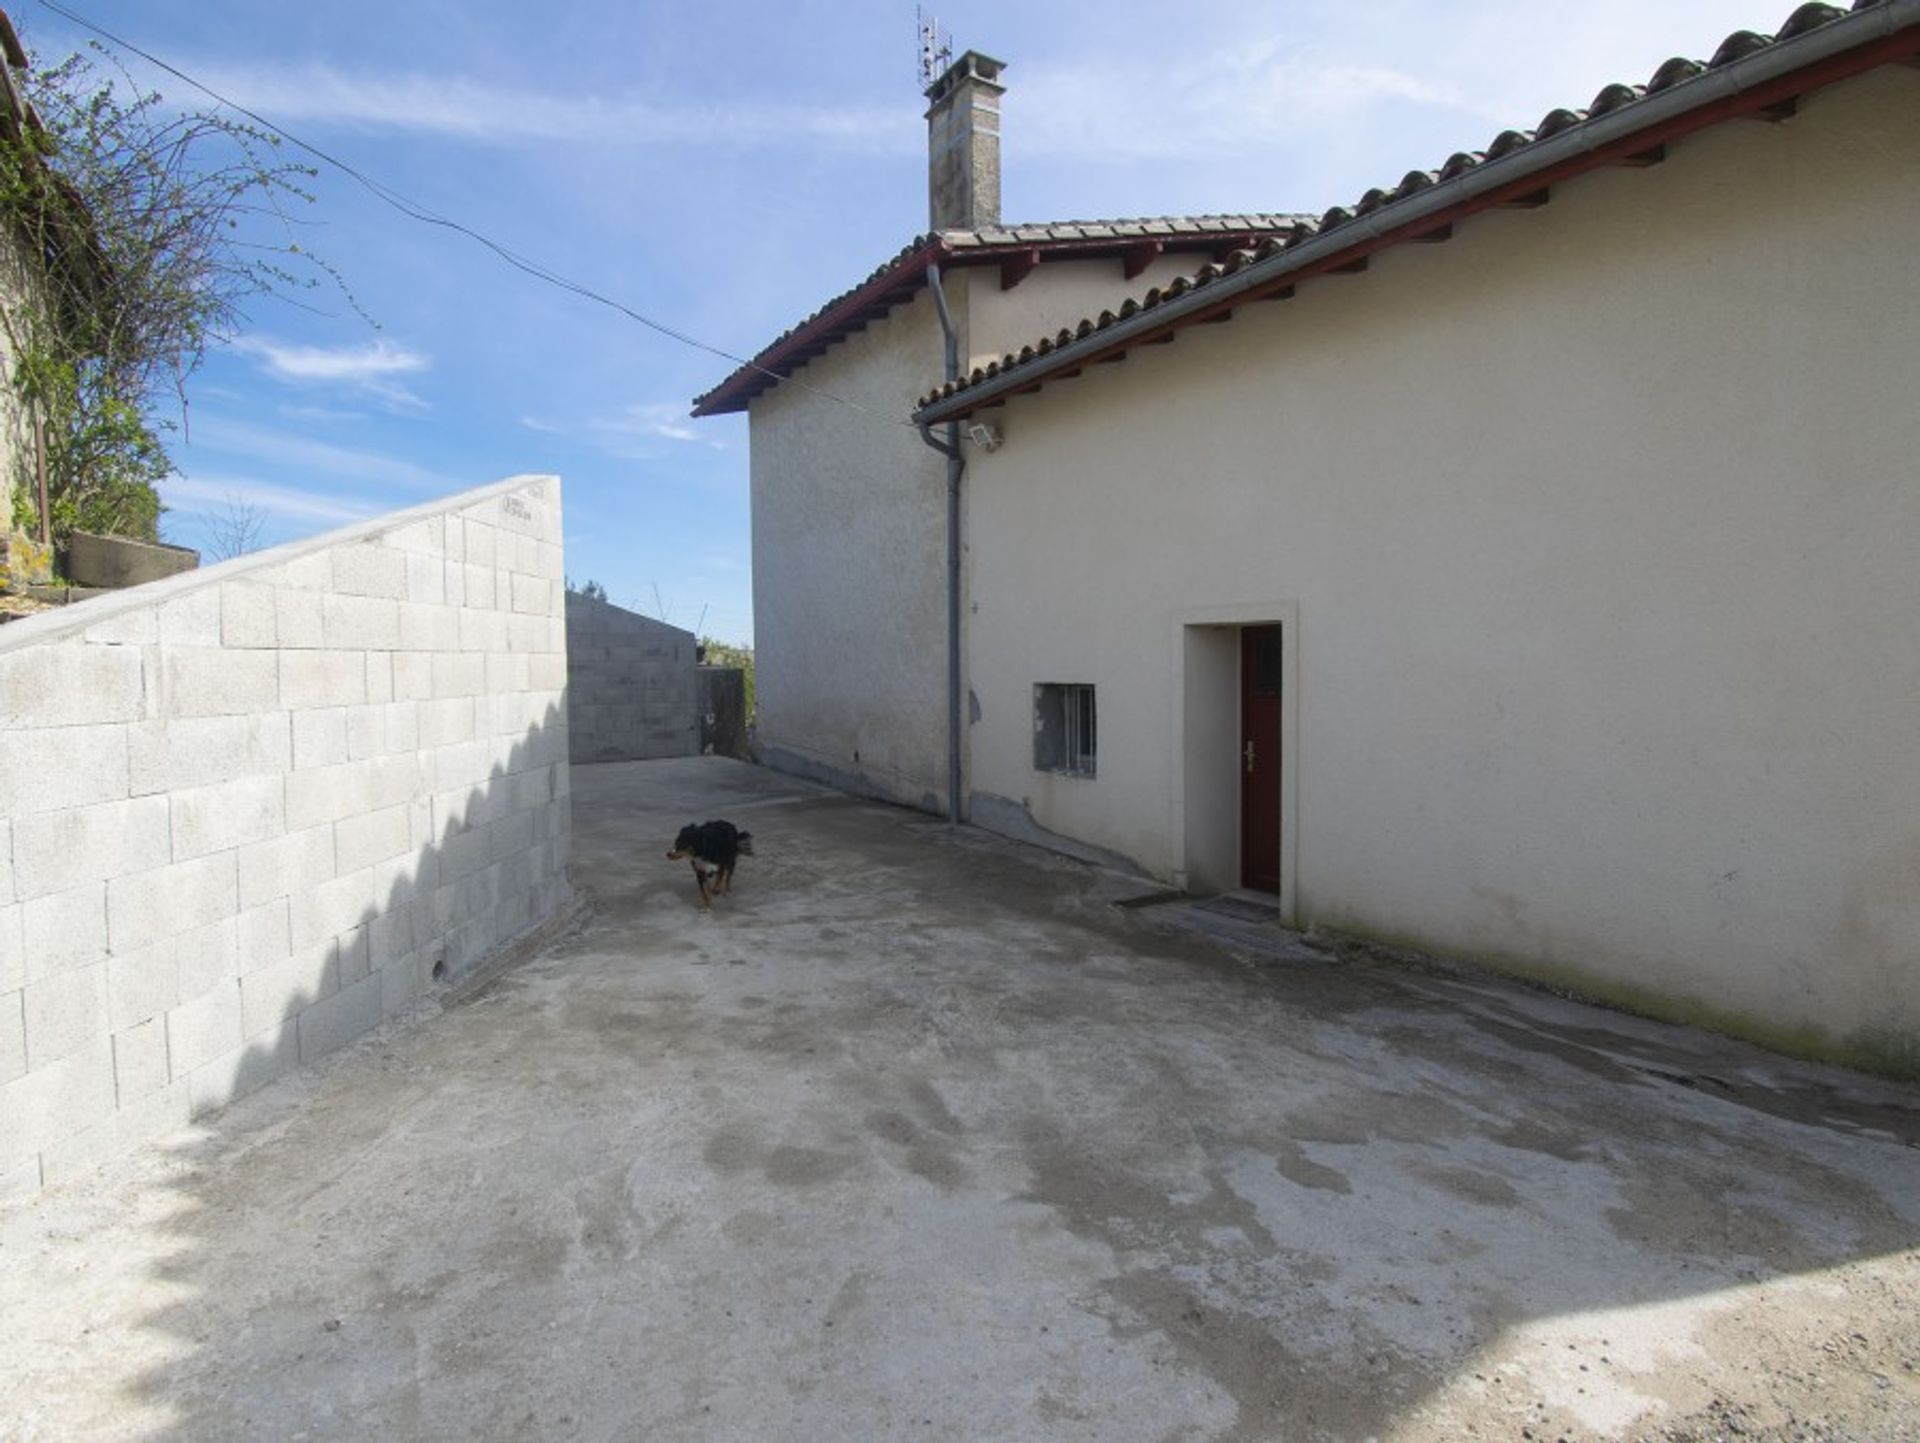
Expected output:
(1262, 649)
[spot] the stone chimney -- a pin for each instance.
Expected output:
(963, 144)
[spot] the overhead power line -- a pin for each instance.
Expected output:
(414, 210)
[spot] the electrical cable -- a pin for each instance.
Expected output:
(413, 210)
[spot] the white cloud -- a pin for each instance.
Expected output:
(213, 493)
(369, 368)
(468, 108)
(636, 432)
(305, 456)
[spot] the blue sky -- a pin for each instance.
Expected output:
(725, 168)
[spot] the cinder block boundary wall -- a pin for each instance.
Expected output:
(632, 687)
(250, 812)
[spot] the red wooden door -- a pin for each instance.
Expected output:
(1260, 758)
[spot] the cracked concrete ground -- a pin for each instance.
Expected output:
(918, 1137)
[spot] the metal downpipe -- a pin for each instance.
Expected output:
(956, 465)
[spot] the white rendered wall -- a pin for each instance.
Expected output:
(850, 530)
(849, 568)
(249, 812)
(1599, 521)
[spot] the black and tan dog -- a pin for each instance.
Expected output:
(714, 848)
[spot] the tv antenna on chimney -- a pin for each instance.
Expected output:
(936, 47)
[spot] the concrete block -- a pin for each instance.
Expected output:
(389, 937)
(312, 572)
(197, 751)
(229, 814)
(13, 949)
(482, 630)
(247, 615)
(140, 1061)
(548, 671)
(394, 779)
(351, 954)
(479, 539)
(142, 984)
(206, 958)
(49, 769)
(458, 674)
(371, 837)
(369, 568)
(297, 618)
(419, 537)
(205, 1028)
(59, 851)
(478, 589)
(148, 906)
(463, 764)
(331, 908)
(532, 595)
(259, 1061)
(6, 867)
(453, 583)
(402, 981)
(319, 737)
(424, 627)
(63, 930)
(69, 1096)
(325, 794)
(213, 681)
(382, 730)
(427, 579)
(512, 833)
(140, 627)
(277, 994)
(64, 1012)
(463, 854)
(412, 676)
(331, 1024)
(361, 623)
(287, 865)
(446, 721)
(69, 683)
(322, 678)
(550, 560)
(401, 879)
(379, 676)
(143, 1119)
(13, 1035)
(263, 935)
(191, 620)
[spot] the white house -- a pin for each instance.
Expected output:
(1548, 597)
(852, 511)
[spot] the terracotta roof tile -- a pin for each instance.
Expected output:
(1272, 250)
(961, 247)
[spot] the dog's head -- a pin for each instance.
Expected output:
(683, 844)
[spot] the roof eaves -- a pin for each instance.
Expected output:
(1620, 118)
(791, 349)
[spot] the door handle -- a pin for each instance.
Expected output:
(1249, 756)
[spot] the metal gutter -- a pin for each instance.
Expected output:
(1623, 128)
(956, 466)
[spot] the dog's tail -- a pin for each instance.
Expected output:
(745, 839)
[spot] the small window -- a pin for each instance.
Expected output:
(1063, 728)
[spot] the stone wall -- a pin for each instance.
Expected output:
(631, 682)
(248, 813)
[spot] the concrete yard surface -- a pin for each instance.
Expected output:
(917, 1136)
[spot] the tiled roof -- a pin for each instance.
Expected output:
(898, 278)
(1750, 74)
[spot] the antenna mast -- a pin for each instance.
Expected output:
(936, 47)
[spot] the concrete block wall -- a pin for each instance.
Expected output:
(632, 683)
(249, 812)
